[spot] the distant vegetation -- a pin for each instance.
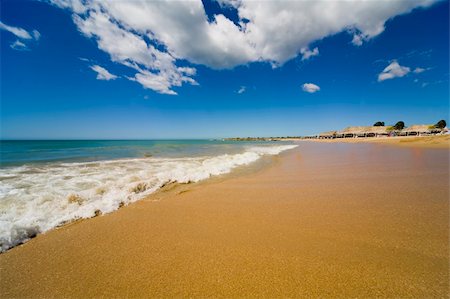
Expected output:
(440, 124)
(379, 124)
(399, 125)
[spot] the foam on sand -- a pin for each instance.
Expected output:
(37, 198)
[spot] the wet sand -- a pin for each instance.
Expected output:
(323, 220)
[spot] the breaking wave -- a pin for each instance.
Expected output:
(37, 198)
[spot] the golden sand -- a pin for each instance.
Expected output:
(437, 141)
(324, 220)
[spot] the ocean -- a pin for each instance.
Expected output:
(44, 184)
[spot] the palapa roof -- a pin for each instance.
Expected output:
(380, 129)
(418, 128)
(329, 133)
(356, 130)
(364, 130)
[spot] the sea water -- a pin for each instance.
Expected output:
(44, 184)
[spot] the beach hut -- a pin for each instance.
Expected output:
(378, 131)
(420, 130)
(435, 131)
(327, 135)
(310, 137)
(351, 132)
(364, 131)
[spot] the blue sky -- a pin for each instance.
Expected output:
(242, 74)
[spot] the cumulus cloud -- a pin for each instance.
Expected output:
(102, 73)
(279, 29)
(75, 5)
(154, 81)
(155, 69)
(154, 37)
(22, 36)
(307, 53)
(242, 89)
(393, 70)
(310, 87)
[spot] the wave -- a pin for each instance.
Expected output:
(37, 198)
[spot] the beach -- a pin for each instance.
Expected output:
(436, 141)
(325, 219)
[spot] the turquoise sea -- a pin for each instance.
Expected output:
(18, 152)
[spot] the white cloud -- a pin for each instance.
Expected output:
(154, 81)
(419, 70)
(22, 34)
(156, 69)
(102, 73)
(358, 39)
(270, 31)
(18, 45)
(393, 70)
(242, 89)
(36, 34)
(310, 87)
(307, 53)
(75, 5)
(17, 31)
(279, 29)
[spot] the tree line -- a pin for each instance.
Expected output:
(400, 125)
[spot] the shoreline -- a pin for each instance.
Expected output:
(437, 142)
(434, 141)
(31, 208)
(313, 223)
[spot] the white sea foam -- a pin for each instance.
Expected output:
(37, 198)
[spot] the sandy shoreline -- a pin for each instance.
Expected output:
(438, 141)
(324, 220)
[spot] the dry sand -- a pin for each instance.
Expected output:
(323, 220)
(437, 141)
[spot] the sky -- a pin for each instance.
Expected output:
(89, 69)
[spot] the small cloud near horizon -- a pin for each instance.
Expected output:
(310, 87)
(102, 73)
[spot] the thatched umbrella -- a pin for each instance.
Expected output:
(327, 135)
(417, 130)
